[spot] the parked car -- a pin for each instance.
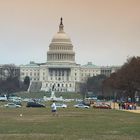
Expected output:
(102, 106)
(18, 103)
(34, 104)
(81, 106)
(12, 105)
(59, 105)
(14, 99)
(3, 98)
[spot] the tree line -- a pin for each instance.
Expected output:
(123, 83)
(126, 81)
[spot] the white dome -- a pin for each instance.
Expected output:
(61, 37)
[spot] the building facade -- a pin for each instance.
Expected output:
(60, 70)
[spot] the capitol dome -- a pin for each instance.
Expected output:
(61, 48)
(61, 37)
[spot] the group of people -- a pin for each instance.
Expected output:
(127, 106)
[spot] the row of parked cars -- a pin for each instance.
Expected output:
(33, 104)
(37, 104)
(58, 105)
(15, 102)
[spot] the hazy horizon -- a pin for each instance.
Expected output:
(104, 32)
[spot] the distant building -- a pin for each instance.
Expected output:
(108, 70)
(60, 71)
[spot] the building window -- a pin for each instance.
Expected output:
(56, 74)
(59, 73)
(62, 73)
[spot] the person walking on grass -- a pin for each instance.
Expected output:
(54, 109)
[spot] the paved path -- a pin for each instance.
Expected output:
(133, 111)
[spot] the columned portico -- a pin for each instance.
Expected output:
(59, 74)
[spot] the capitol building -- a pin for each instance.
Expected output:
(61, 70)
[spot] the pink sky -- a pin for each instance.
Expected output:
(105, 32)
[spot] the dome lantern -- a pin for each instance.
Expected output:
(61, 26)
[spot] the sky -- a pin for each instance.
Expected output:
(104, 32)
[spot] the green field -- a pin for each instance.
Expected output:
(70, 124)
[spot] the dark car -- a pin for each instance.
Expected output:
(34, 104)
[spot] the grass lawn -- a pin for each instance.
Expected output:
(70, 124)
